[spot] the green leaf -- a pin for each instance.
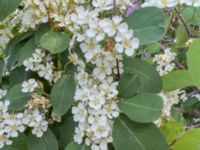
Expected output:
(9, 148)
(14, 52)
(189, 141)
(18, 75)
(142, 108)
(66, 131)
(62, 94)
(47, 142)
(17, 99)
(129, 84)
(148, 31)
(75, 146)
(20, 142)
(177, 80)
(7, 7)
(191, 15)
(26, 51)
(44, 28)
(176, 115)
(172, 130)
(149, 77)
(128, 135)
(193, 57)
(55, 42)
(181, 36)
(153, 48)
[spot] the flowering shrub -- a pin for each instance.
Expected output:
(99, 74)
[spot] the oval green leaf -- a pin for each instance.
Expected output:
(62, 94)
(26, 51)
(193, 57)
(7, 7)
(47, 142)
(128, 135)
(189, 141)
(148, 31)
(55, 42)
(17, 99)
(177, 80)
(142, 108)
(129, 84)
(150, 79)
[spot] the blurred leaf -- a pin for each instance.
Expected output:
(177, 80)
(7, 7)
(181, 36)
(172, 130)
(153, 48)
(191, 15)
(193, 57)
(189, 141)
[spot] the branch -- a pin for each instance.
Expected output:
(191, 35)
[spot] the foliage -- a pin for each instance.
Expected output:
(99, 75)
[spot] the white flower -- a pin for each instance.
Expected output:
(32, 118)
(90, 48)
(40, 128)
(103, 4)
(169, 99)
(78, 137)
(79, 113)
(102, 70)
(46, 71)
(4, 106)
(29, 86)
(96, 101)
(2, 93)
(4, 140)
(126, 43)
(165, 62)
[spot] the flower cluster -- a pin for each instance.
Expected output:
(34, 13)
(165, 62)
(34, 116)
(170, 3)
(95, 108)
(5, 34)
(102, 41)
(170, 99)
(29, 86)
(40, 63)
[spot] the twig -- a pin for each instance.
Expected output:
(186, 26)
(118, 70)
(180, 66)
(114, 7)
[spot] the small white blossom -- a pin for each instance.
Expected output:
(29, 86)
